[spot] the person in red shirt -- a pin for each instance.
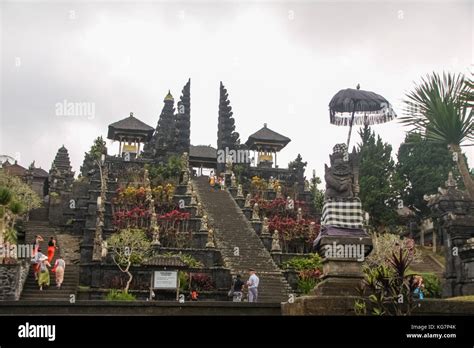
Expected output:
(194, 295)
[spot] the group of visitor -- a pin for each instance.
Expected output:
(237, 288)
(216, 181)
(41, 262)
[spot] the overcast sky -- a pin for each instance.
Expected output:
(281, 62)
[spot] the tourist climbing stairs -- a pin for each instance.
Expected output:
(239, 244)
(38, 224)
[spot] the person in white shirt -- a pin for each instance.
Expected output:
(252, 284)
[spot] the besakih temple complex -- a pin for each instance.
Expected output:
(179, 213)
(157, 183)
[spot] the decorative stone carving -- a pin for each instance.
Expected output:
(185, 161)
(156, 235)
(290, 203)
(342, 178)
(228, 164)
(276, 242)
(185, 177)
(240, 193)
(104, 250)
(204, 222)
(271, 183)
(278, 192)
(454, 211)
(247, 200)
(299, 215)
(189, 188)
(210, 238)
(255, 213)
(233, 181)
(265, 227)
(193, 198)
(199, 210)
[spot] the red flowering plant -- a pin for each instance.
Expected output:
(131, 205)
(201, 282)
(295, 236)
(278, 207)
(174, 229)
(131, 218)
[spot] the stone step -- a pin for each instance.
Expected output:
(232, 230)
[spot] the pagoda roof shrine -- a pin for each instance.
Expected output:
(267, 139)
(130, 128)
(131, 132)
(267, 143)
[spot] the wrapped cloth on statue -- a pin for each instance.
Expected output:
(343, 213)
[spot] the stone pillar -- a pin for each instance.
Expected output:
(467, 259)
(342, 264)
(454, 212)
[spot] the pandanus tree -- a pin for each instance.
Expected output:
(5, 199)
(440, 108)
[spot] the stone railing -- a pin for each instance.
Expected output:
(12, 280)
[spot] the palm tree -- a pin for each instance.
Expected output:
(440, 107)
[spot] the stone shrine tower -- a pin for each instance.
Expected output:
(61, 175)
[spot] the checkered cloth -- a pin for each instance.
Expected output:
(344, 213)
(339, 148)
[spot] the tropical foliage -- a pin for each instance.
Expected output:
(440, 108)
(96, 151)
(21, 192)
(388, 288)
(16, 198)
(170, 170)
(309, 271)
(117, 295)
(422, 167)
(383, 246)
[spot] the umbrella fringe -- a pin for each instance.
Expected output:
(369, 118)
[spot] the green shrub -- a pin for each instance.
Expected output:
(16, 207)
(305, 285)
(304, 263)
(183, 281)
(190, 261)
(119, 295)
(5, 196)
(11, 236)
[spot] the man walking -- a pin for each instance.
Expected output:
(252, 284)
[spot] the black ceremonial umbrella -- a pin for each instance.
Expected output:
(355, 106)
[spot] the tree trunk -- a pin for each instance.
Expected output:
(462, 166)
(130, 277)
(2, 224)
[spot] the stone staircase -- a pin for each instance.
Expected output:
(429, 264)
(232, 230)
(38, 225)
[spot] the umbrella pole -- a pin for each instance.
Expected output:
(350, 127)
